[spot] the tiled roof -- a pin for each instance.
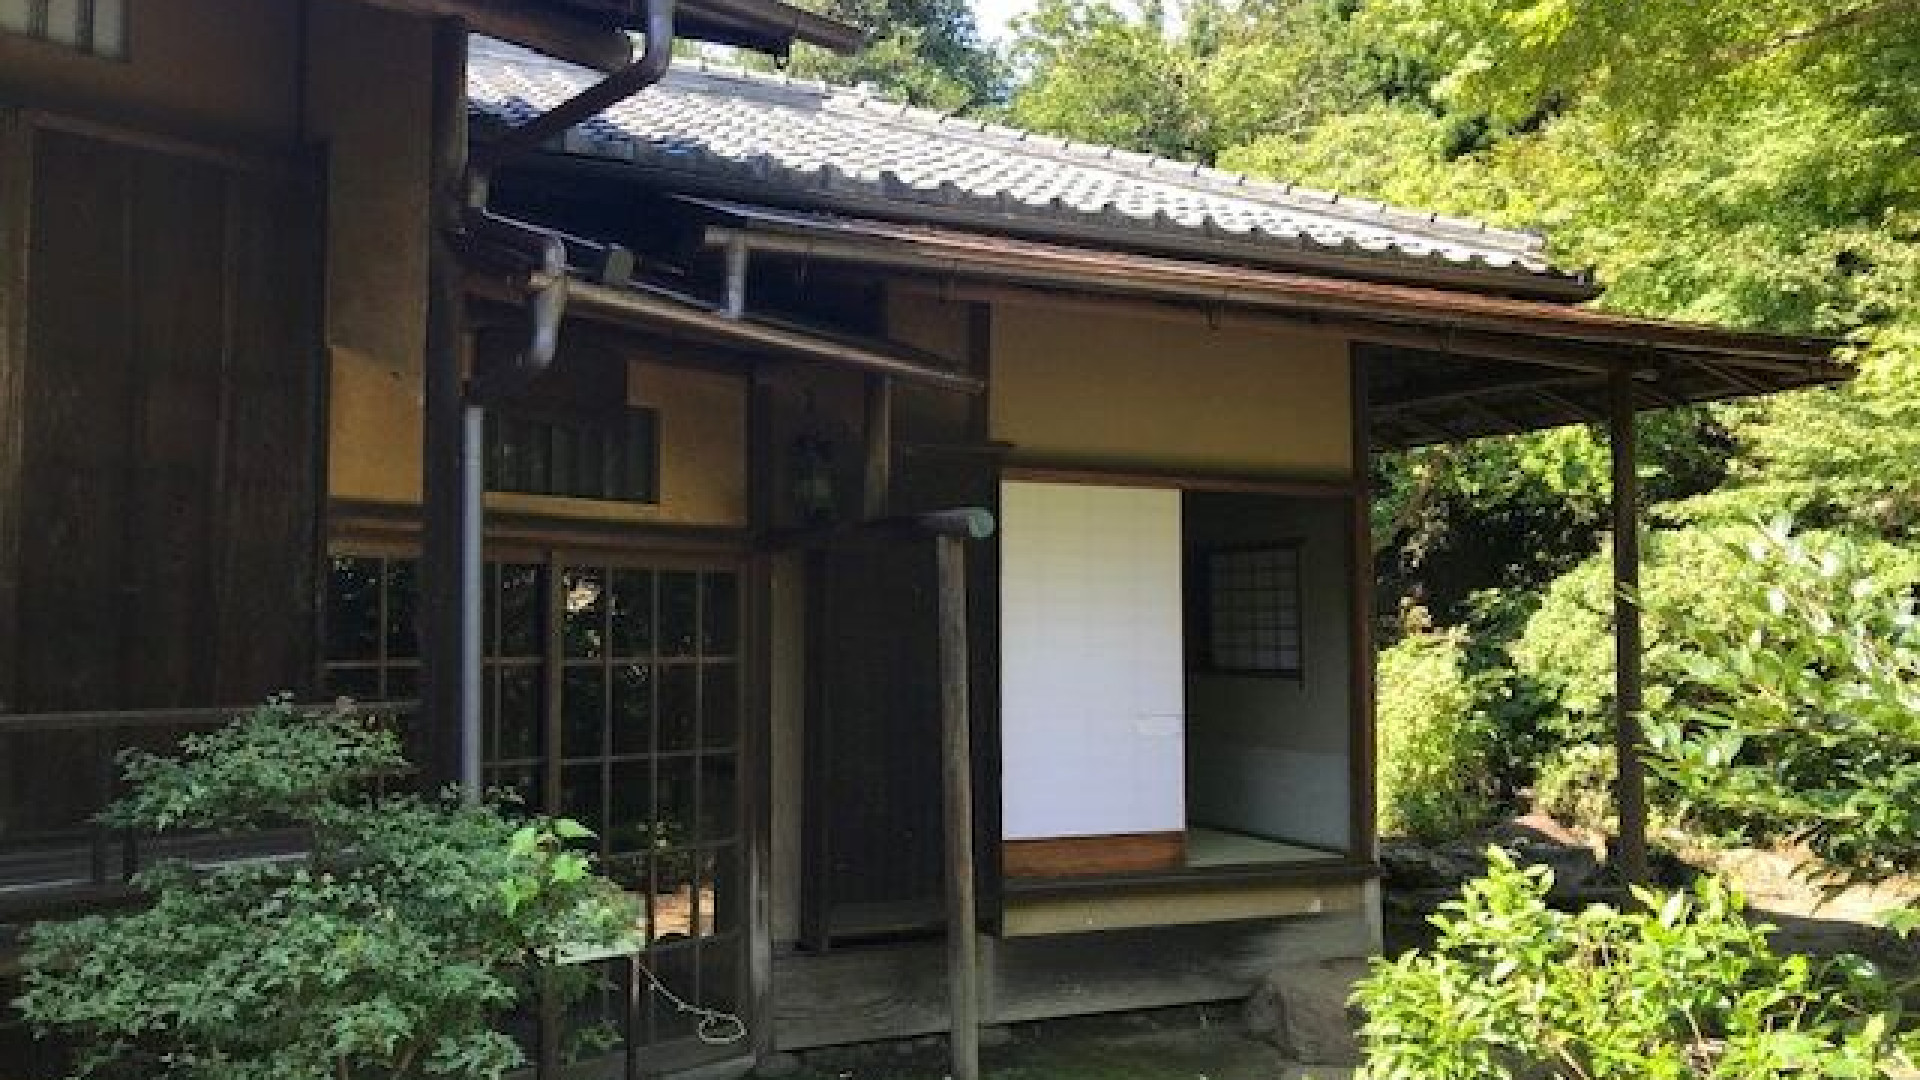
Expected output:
(807, 138)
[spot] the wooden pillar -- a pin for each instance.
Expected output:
(16, 183)
(446, 690)
(877, 479)
(1628, 680)
(956, 774)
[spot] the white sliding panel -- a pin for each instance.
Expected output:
(1091, 661)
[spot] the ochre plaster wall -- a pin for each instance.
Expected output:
(703, 439)
(1126, 389)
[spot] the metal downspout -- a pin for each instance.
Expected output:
(461, 433)
(617, 87)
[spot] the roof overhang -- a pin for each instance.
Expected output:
(596, 33)
(1443, 365)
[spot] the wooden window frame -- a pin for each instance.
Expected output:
(87, 25)
(612, 425)
(1205, 594)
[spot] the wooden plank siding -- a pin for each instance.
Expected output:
(160, 381)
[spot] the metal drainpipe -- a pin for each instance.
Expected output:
(622, 84)
(735, 305)
(546, 309)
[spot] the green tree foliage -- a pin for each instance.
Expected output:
(927, 52)
(392, 949)
(1233, 73)
(1100, 74)
(1799, 707)
(1434, 740)
(1683, 987)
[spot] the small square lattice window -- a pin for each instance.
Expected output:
(1253, 610)
(96, 27)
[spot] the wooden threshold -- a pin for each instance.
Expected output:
(1088, 856)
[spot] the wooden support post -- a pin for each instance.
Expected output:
(446, 686)
(956, 772)
(1628, 699)
(16, 201)
(878, 477)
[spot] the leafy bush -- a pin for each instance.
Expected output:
(1434, 779)
(1800, 707)
(390, 949)
(1683, 987)
(1575, 786)
(1696, 584)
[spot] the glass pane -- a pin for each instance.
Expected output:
(633, 613)
(583, 609)
(360, 684)
(63, 21)
(631, 794)
(110, 28)
(679, 613)
(403, 684)
(674, 805)
(679, 706)
(16, 16)
(403, 605)
(517, 713)
(521, 614)
(522, 781)
(718, 911)
(721, 616)
(672, 896)
(580, 796)
(566, 451)
(632, 709)
(353, 609)
(720, 705)
(583, 711)
(589, 479)
(716, 821)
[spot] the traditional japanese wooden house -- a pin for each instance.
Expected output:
(931, 556)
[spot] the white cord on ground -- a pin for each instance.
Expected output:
(715, 1028)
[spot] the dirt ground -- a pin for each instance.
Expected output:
(1173, 1044)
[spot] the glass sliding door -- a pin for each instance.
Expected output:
(613, 697)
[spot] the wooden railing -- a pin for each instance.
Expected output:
(56, 856)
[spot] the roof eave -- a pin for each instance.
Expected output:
(597, 36)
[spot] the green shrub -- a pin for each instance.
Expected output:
(1689, 580)
(1684, 987)
(1798, 709)
(1575, 786)
(1434, 775)
(390, 950)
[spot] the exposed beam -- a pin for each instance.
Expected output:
(575, 40)
(1561, 401)
(1628, 676)
(1477, 390)
(636, 306)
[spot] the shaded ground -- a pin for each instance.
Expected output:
(1171, 1044)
